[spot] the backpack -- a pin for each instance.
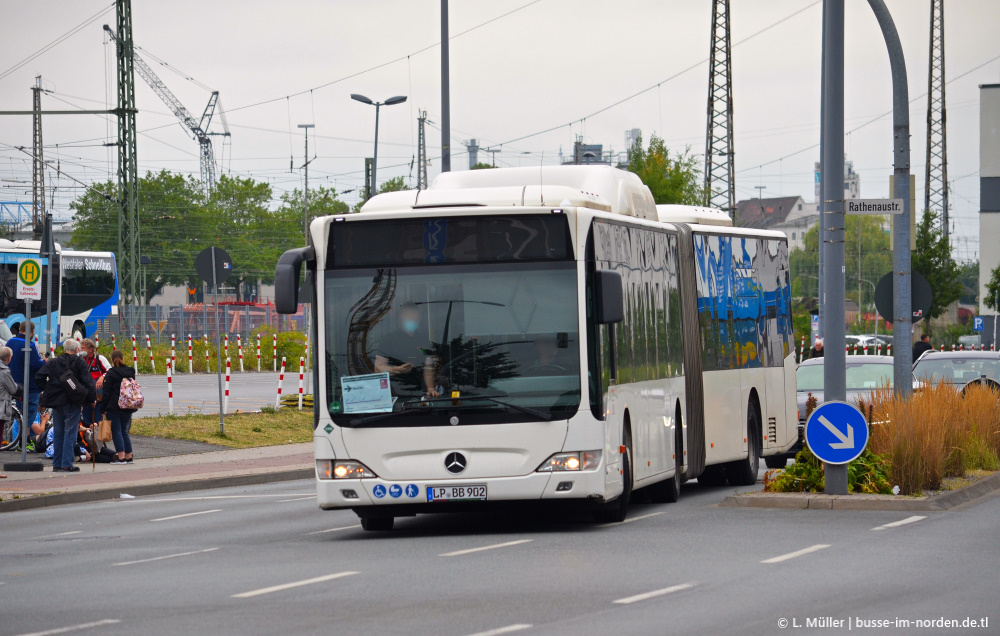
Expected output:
(131, 395)
(76, 391)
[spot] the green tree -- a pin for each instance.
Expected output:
(322, 202)
(992, 289)
(482, 166)
(671, 179)
(864, 233)
(933, 259)
(171, 216)
(969, 277)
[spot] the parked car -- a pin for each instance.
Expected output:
(864, 374)
(957, 368)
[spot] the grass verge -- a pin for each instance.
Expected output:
(243, 430)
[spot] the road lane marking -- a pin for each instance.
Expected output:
(296, 499)
(486, 547)
(287, 494)
(628, 600)
(901, 522)
(61, 534)
(797, 553)
(503, 630)
(288, 586)
(73, 628)
(169, 556)
(189, 514)
(333, 530)
(629, 520)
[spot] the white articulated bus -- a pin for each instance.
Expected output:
(546, 335)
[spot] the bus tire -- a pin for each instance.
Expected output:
(743, 472)
(776, 461)
(669, 491)
(616, 511)
(377, 524)
(712, 476)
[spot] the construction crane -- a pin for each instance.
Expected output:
(199, 128)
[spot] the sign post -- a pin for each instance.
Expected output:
(29, 288)
(214, 265)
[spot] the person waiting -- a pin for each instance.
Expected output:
(28, 403)
(66, 404)
(121, 419)
(98, 365)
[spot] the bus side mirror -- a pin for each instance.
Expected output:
(286, 278)
(610, 302)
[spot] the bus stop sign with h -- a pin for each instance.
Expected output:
(29, 288)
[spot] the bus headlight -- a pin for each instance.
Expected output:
(342, 469)
(562, 462)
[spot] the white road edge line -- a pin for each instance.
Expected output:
(629, 520)
(296, 499)
(288, 586)
(333, 530)
(486, 547)
(648, 595)
(169, 556)
(189, 514)
(503, 630)
(74, 628)
(797, 553)
(901, 522)
(61, 534)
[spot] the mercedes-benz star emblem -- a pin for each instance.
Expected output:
(455, 463)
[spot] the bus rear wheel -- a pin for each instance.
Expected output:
(743, 472)
(377, 524)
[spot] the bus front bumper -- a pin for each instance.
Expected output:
(416, 495)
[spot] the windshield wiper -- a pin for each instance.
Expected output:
(517, 407)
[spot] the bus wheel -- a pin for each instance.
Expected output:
(743, 472)
(616, 511)
(669, 491)
(377, 524)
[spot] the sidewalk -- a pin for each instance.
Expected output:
(216, 469)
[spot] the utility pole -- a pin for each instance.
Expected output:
(305, 194)
(936, 171)
(832, 240)
(720, 186)
(37, 163)
(421, 151)
(473, 147)
(445, 93)
(128, 169)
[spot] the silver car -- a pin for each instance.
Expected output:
(957, 368)
(865, 374)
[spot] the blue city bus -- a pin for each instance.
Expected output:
(12, 309)
(89, 294)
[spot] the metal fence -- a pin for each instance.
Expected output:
(160, 321)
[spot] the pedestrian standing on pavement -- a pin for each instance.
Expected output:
(121, 419)
(66, 393)
(817, 350)
(7, 389)
(17, 369)
(98, 365)
(922, 346)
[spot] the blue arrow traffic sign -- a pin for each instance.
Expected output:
(836, 432)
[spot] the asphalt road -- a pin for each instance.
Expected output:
(265, 560)
(199, 393)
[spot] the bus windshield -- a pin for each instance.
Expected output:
(446, 344)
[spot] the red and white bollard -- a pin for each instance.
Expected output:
(135, 353)
(888, 349)
(208, 364)
(190, 355)
(953, 347)
(855, 348)
(239, 350)
(97, 341)
(149, 346)
(173, 350)
(302, 377)
(281, 379)
(258, 353)
(226, 403)
(114, 342)
(225, 347)
(170, 389)
(274, 354)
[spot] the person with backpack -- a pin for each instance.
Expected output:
(119, 404)
(98, 365)
(68, 386)
(29, 401)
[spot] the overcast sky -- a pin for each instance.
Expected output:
(547, 63)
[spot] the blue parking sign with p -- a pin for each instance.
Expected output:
(977, 323)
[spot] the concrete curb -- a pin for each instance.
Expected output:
(814, 501)
(105, 494)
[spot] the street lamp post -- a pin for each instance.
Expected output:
(392, 101)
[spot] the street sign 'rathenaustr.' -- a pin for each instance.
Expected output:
(873, 206)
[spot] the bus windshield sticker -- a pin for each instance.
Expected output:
(367, 393)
